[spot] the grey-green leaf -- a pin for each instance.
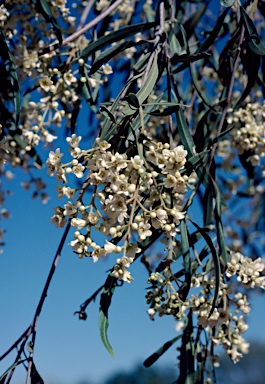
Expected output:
(147, 87)
(43, 7)
(253, 40)
(155, 356)
(114, 37)
(103, 327)
(227, 3)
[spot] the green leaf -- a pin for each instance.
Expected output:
(193, 162)
(253, 40)
(133, 101)
(146, 88)
(88, 97)
(218, 220)
(165, 112)
(106, 112)
(174, 43)
(142, 62)
(189, 58)
(103, 327)
(43, 8)
(114, 37)
(185, 248)
(216, 264)
(251, 64)
(184, 133)
(11, 73)
(13, 366)
(107, 129)
(111, 52)
(227, 3)
(155, 356)
(105, 301)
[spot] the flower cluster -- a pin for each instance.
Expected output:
(224, 321)
(249, 132)
(134, 197)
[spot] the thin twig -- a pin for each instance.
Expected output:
(85, 14)
(43, 297)
(83, 30)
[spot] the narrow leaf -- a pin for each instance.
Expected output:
(147, 87)
(114, 37)
(216, 264)
(219, 226)
(253, 40)
(13, 366)
(155, 356)
(111, 52)
(186, 259)
(103, 327)
(184, 133)
(11, 73)
(43, 8)
(105, 301)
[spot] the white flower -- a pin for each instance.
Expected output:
(78, 223)
(109, 247)
(78, 170)
(45, 83)
(137, 162)
(69, 209)
(144, 230)
(54, 157)
(73, 141)
(69, 78)
(107, 70)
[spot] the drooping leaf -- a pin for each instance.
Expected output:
(103, 327)
(219, 225)
(184, 58)
(111, 52)
(106, 112)
(216, 261)
(251, 62)
(13, 366)
(146, 88)
(156, 355)
(105, 301)
(184, 133)
(209, 40)
(43, 8)
(174, 44)
(252, 38)
(185, 248)
(142, 62)
(11, 73)
(113, 37)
